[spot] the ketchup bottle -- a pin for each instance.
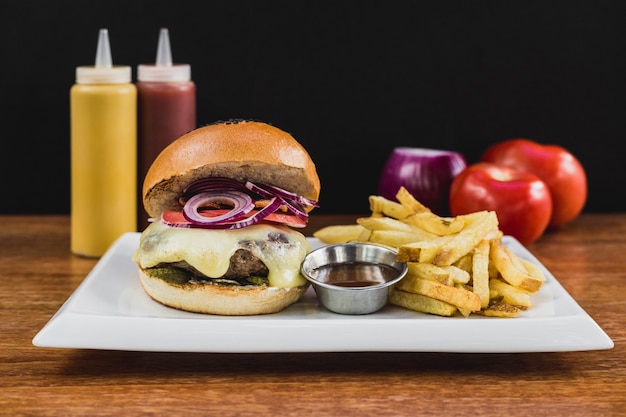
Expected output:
(103, 130)
(166, 99)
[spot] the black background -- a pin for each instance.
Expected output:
(350, 80)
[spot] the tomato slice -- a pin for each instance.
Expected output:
(176, 216)
(286, 219)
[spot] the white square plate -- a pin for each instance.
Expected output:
(110, 310)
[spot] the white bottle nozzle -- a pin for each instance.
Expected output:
(164, 52)
(103, 72)
(164, 69)
(103, 53)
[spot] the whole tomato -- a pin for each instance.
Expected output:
(520, 199)
(557, 167)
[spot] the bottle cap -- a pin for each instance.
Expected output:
(103, 72)
(164, 70)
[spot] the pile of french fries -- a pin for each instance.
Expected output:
(455, 264)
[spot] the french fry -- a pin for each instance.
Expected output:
(480, 272)
(435, 224)
(465, 263)
(500, 309)
(448, 249)
(339, 233)
(388, 223)
(510, 294)
(383, 206)
(448, 275)
(511, 268)
(534, 270)
(459, 297)
(464, 241)
(365, 235)
(464, 311)
(459, 276)
(409, 201)
(418, 270)
(393, 238)
(493, 271)
(423, 250)
(420, 303)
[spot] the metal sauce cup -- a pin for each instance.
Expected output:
(353, 278)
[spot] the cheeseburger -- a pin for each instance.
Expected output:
(225, 201)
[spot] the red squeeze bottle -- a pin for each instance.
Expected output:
(166, 109)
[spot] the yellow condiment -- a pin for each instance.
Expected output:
(103, 107)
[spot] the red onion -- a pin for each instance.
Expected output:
(242, 204)
(239, 201)
(426, 173)
(213, 184)
(270, 190)
(259, 215)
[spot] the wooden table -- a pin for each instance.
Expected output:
(38, 273)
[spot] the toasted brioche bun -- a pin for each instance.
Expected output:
(241, 150)
(221, 300)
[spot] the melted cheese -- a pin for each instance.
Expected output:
(209, 251)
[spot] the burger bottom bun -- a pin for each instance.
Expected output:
(221, 300)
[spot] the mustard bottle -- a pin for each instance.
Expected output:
(103, 113)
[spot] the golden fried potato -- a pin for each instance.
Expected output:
(448, 249)
(465, 263)
(481, 228)
(459, 297)
(339, 233)
(533, 270)
(422, 250)
(480, 272)
(510, 294)
(409, 201)
(388, 223)
(419, 270)
(420, 303)
(500, 309)
(382, 206)
(511, 268)
(435, 224)
(393, 238)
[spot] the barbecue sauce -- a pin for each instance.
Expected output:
(355, 274)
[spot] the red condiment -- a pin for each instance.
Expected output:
(354, 274)
(166, 110)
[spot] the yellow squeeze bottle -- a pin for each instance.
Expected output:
(103, 113)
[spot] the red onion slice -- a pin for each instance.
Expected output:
(293, 202)
(241, 197)
(241, 202)
(287, 195)
(258, 216)
(214, 184)
(296, 209)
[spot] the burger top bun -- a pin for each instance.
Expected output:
(238, 149)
